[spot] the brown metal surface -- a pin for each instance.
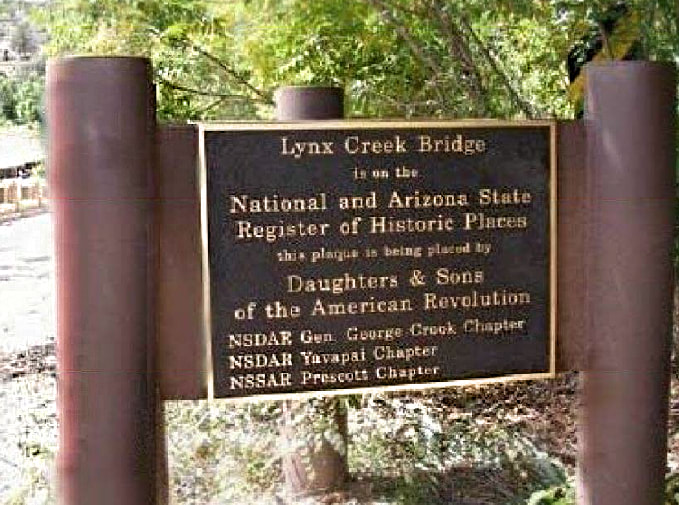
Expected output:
(572, 212)
(181, 346)
(101, 126)
(296, 103)
(631, 186)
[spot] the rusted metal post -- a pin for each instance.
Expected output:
(101, 123)
(631, 192)
(298, 103)
(181, 349)
(325, 468)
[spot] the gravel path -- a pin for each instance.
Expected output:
(26, 283)
(28, 425)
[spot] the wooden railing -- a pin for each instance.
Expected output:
(19, 195)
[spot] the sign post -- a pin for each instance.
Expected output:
(102, 124)
(324, 466)
(631, 162)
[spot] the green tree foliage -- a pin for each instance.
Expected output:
(21, 99)
(441, 58)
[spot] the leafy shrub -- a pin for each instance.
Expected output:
(558, 495)
(672, 489)
(424, 454)
(21, 99)
(565, 495)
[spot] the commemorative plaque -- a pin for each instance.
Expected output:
(342, 256)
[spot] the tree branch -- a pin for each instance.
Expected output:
(516, 98)
(415, 48)
(237, 76)
(194, 91)
(211, 105)
(229, 70)
(459, 47)
(605, 41)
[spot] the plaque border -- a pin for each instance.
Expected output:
(367, 124)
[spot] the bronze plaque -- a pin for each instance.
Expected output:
(343, 256)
